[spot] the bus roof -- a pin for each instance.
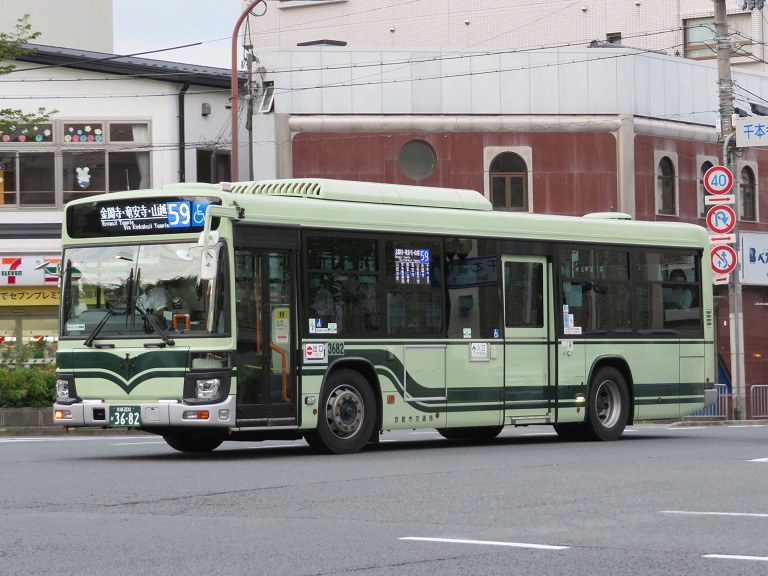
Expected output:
(349, 205)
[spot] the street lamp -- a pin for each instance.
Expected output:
(234, 95)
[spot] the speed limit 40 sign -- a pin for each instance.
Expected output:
(718, 180)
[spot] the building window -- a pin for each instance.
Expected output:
(702, 191)
(613, 38)
(213, 166)
(128, 171)
(700, 42)
(37, 179)
(665, 187)
(417, 159)
(509, 182)
(84, 174)
(51, 164)
(748, 196)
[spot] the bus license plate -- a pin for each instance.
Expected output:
(124, 416)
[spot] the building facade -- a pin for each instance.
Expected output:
(119, 124)
(565, 131)
(683, 28)
(81, 24)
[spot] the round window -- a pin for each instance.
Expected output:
(417, 159)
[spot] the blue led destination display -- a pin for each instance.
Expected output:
(142, 216)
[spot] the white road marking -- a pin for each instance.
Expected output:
(736, 557)
(486, 543)
(758, 460)
(735, 514)
(11, 440)
(138, 443)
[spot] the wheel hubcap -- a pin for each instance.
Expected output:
(344, 411)
(608, 403)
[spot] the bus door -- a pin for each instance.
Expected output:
(265, 309)
(527, 348)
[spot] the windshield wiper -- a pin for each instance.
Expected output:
(155, 323)
(111, 312)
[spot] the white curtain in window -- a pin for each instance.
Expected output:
(141, 134)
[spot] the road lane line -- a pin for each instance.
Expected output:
(736, 557)
(486, 543)
(691, 513)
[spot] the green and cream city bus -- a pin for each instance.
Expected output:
(336, 311)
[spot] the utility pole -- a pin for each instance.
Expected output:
(249, 58)
(727, 140)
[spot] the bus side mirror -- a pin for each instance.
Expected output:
(209, 262)
(210, 255)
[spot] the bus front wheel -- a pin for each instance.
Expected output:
(347, 414)
(607, 404)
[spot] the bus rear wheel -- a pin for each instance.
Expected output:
(471, 434)
(607, 404)
(193, 443)
(347, 414)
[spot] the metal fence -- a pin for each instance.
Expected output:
(758, 400)
(719, 409)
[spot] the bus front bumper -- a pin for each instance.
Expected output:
(99, 414)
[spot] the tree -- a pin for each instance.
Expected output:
(11, 47)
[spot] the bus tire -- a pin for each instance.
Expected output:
(193, 443)
(472, 433)
(607, 404)
(347, 414)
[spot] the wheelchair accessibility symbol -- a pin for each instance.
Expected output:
(198, 213)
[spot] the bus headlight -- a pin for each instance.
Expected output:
(208, 388)
(65, 389)
(62, 389)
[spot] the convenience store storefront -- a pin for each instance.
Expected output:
(29, 305)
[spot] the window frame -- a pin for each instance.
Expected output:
(525, 153)
(751, 168)
(59, 146)
(739, 25)
(666, 184)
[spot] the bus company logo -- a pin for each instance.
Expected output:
(128, 363)
(12, 272)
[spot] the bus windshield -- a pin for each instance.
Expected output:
(141, 290)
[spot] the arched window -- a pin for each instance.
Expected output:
(703, 191)
(665, 187)
(747, 189)
(509, 182)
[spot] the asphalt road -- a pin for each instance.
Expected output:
(660, 501)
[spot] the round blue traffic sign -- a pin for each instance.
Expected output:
(718, 180)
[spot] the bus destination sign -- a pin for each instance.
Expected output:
(138, 216)
(154, 216)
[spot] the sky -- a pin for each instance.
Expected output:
(141, 25)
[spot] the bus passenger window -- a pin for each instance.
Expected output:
(524, 298)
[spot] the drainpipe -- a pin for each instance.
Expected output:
(182, 136)
(234, 96)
